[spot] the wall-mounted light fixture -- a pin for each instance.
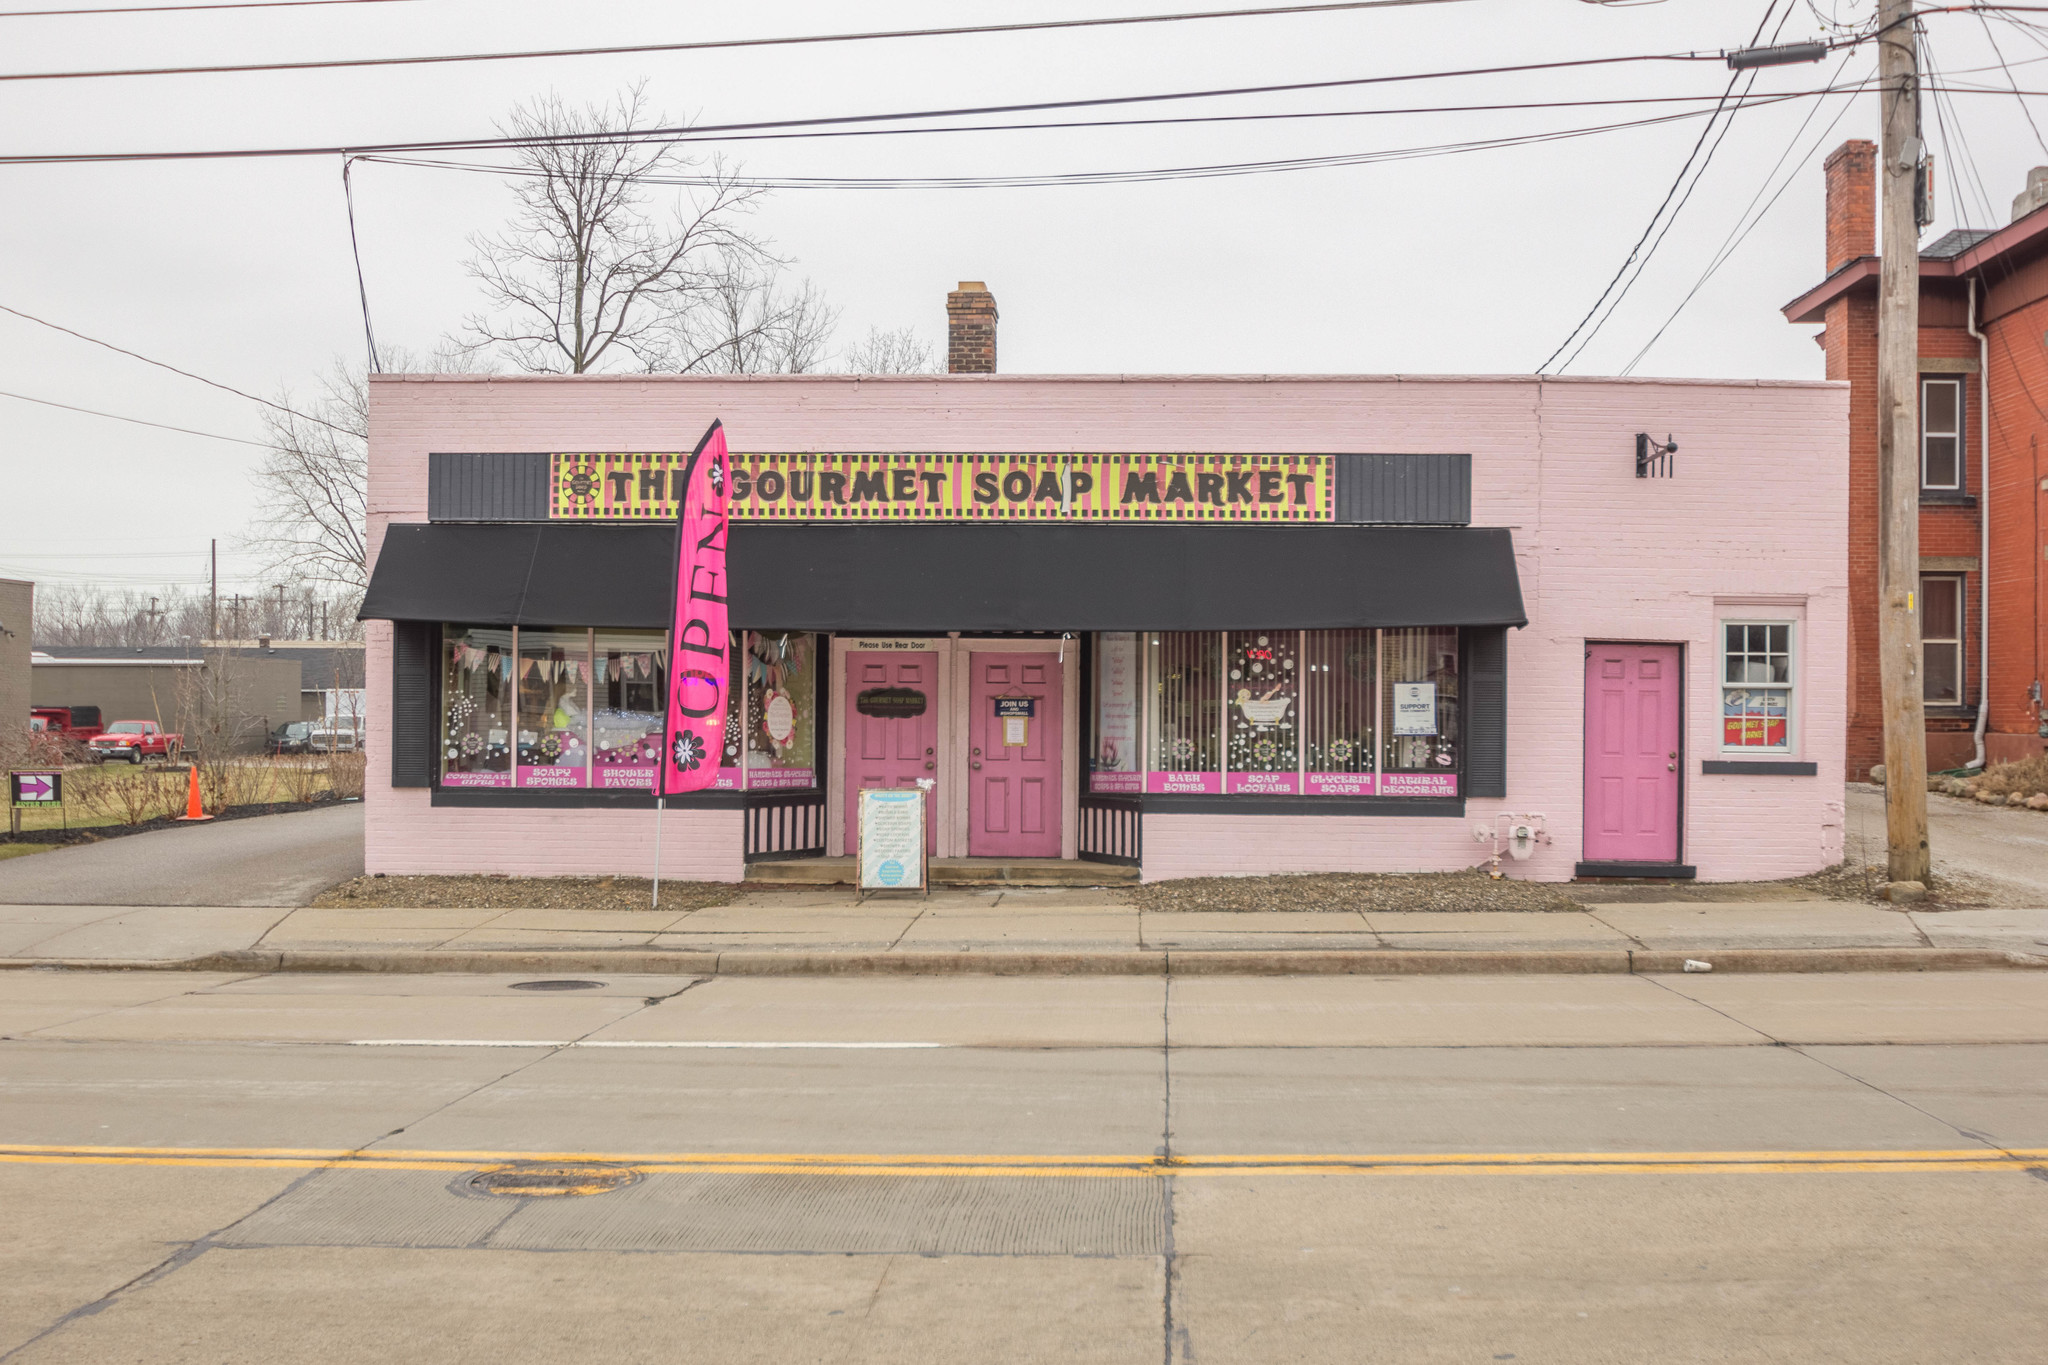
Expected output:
(1654, 461)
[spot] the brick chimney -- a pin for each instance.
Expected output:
(1852, 203)
(971, 329)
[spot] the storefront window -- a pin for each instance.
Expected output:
(1337, 712)
(782, 712)
(1756, 706)
(632, 685)
(554, 708)
(1113, 759)
(1187, 712)
(1262, 757)
(476, 710)
(1419, 710)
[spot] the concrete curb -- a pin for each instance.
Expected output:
(1297, 962)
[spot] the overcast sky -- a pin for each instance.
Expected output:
(1479, 262)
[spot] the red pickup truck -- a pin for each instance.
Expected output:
(135, 740)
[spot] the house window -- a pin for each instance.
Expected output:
(1941, 640)
(1941, 433)
(1756, 685)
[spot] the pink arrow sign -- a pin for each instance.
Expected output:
(37, 786)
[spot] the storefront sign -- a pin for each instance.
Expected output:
(1418, 784)
(1414, 708)
(1263, 784)
(887, 646)
(1015, 713)
(1341, 784)
(817, 486)
(890, 703)
(699, 665)
(892, 839)
(1184, 784)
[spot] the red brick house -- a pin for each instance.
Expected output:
(1983, 315)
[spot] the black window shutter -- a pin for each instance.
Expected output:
(413, 646)
(1486, 720)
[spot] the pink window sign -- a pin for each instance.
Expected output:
(476, 779)
(1115, 782)
(1342, 784)
(1264, 784)
(622, 777)
(551, 775)
(778, 779)
(1193, 784)
(1418, 784)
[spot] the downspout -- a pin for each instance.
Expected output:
(1983, 528)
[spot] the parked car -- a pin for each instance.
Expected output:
(78, 724)
(135, 740)
(293, 737)
(335, 739)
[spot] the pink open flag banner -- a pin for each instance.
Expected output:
(698, 670)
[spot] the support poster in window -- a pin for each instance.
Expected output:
(1115, 764)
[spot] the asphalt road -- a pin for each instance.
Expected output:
(1568, 1169)
(264, 860)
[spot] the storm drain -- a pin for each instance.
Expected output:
(557, 985)
(544, 1181)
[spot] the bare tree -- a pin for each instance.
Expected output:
(898, 351)
(747, 323)
(313, 485)
(590, 274)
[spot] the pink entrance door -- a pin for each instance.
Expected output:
(1013, 760)
(1632, 753)
(892, 731)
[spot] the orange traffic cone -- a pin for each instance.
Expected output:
(193, 810)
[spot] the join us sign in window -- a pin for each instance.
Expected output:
(813, 486)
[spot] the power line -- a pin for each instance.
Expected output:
(712, 44)
(137, 355)
(1745, 223)
(139, 421)
(713, 132)
(1023, 181)
(175, 9)
(1636, 250)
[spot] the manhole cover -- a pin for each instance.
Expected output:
(539, 1180)
(557, 985)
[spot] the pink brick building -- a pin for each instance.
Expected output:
(1206, 625)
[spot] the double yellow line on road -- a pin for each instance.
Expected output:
(1086, 1167)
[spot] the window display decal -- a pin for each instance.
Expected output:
(823, 486)
(782, 698)
(1265, 676)
(1414, 708)
(476, 694)
(1187, 719)
(1114, 765)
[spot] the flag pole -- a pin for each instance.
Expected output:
(660, 804)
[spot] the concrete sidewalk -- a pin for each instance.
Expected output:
(1057, 931)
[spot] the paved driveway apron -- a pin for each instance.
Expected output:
(265, 860)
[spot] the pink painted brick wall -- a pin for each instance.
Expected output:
(1754, 524)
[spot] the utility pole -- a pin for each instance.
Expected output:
(278, 627)
(213, 590)
(1898, 450)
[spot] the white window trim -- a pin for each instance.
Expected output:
(1959, 641)
(1961, 424)
(1791, 686)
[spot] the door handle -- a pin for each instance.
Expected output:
(928, 754)
(974, 765)
(1668, 767)
(977, 753)
(1672, 754)
(929, 766)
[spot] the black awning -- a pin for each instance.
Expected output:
(895, 577)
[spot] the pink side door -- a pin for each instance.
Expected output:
(884, 747)
(1013, 796)
(1633, 753)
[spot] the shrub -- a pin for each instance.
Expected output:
(2028, 777)
(345, 773)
